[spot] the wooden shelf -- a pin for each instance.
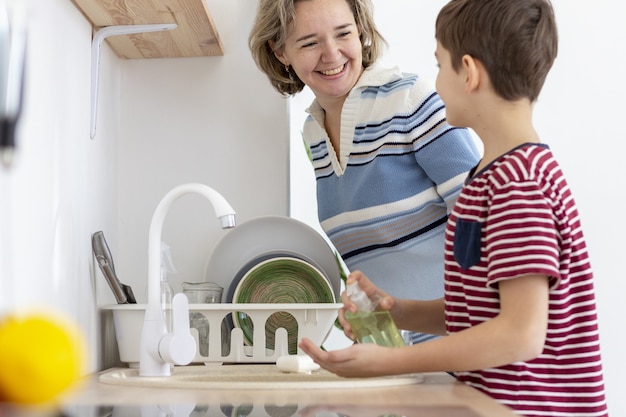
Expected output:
(195, 35)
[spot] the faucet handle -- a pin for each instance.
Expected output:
(179, 347)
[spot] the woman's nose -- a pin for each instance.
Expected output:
(330, 51)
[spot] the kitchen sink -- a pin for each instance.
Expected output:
(248, 376)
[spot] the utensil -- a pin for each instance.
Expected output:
(123, 293)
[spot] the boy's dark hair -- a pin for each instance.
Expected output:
(516, 41)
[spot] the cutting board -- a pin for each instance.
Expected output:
(246, 376)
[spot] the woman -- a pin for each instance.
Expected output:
(388, 166)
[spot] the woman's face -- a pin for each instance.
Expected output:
(324, 48)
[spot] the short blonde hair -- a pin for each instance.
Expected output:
(273, 22)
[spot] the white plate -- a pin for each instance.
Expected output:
(258, 239)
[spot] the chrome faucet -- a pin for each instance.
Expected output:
(159, 348)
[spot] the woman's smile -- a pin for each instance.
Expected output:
(334, 71)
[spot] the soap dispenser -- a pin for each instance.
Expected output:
(368, 325)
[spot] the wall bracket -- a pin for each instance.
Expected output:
(99, 36)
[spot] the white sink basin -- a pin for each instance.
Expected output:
(246, 376)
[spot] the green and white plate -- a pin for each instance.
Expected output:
(264, 237)
(280, 280)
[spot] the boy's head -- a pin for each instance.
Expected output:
(515, 40)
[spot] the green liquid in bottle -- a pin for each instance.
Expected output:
(375, 327)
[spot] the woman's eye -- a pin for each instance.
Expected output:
(344, 34)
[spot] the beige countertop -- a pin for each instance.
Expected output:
(436, 394)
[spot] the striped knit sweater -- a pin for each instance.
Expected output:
(515, 218)
(384, 201)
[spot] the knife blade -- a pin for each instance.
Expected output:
(123, 293)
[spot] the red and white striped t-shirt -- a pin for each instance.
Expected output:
(515, 218)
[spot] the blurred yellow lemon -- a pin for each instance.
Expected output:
(41, 356)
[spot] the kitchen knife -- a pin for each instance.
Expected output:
(123, 293)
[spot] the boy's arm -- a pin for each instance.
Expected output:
(516, 334)
(420, 316)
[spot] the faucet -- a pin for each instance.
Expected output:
(159, 348)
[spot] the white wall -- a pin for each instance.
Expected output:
(578, 115)
(161, 122)
(211, 120)
(50, 197)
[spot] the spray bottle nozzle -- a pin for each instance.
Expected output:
(360, 299)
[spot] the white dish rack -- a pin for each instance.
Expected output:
(314, 320)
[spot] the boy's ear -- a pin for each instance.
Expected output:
(278, 53)
(472, 73)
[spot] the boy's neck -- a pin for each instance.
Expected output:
(503, 126)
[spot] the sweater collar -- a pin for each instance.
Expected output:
(373, 76)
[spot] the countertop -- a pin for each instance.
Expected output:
(439, 394)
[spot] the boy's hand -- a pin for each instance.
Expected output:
(372, 291)
(348, 305)
(359, 360)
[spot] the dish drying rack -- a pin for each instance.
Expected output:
(314, 321)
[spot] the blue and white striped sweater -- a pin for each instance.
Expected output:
(384, 202)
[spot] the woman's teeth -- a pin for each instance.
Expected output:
(333, 71)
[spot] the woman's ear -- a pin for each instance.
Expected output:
(472, 73)
(278, 53)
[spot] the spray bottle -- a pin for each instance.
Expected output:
(368, 325)
(167, 266)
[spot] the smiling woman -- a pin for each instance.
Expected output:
(388, 166)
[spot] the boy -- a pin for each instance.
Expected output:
(519, 307)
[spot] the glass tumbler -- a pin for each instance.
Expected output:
(201, 293)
